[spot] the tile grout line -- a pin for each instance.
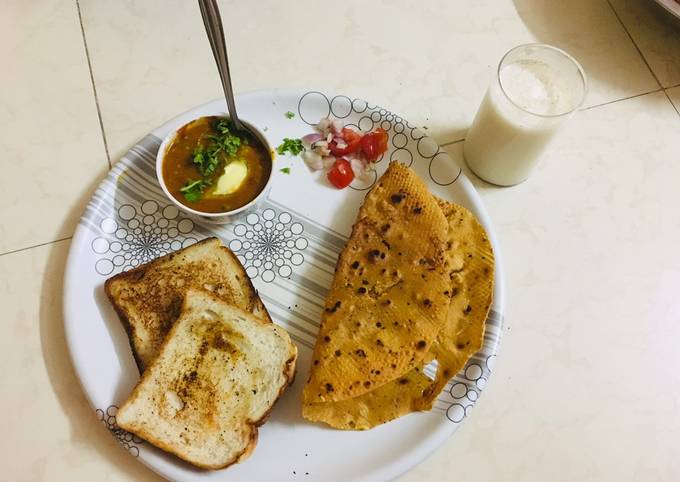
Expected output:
(625, 29)
(619, 100)
(94, 88)
(665, 91)
(35, 246)
(644, 59)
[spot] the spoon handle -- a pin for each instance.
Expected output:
(213, 27)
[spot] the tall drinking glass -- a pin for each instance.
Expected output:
(537, 87)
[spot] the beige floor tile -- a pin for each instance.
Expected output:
(430, 62)
(656, 33)
(586, 384)
(49, 430)
(51, 140)
(674, 94)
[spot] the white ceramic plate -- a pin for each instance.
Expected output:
(289, 247)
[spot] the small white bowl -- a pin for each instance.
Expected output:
(222, 217)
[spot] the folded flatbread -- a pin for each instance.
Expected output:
(426, 269)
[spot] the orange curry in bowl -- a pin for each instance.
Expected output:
(212, 168)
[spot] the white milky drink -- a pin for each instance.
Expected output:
(537, 88)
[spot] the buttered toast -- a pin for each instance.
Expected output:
(217, 376)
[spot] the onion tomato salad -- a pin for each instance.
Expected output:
(344, 153)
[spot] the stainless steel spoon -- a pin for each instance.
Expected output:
(213, 27)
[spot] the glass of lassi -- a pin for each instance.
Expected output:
(536, 89)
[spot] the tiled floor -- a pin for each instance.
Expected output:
(51, 140)
(54, 435)
(656, 36)
(674, 95)
(429, 73)
(617, 163)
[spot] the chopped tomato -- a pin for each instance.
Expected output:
(352, 140)
(341, 174)
(374, 144)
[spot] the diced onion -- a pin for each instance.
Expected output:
(310, 139)
(324, 125)
(313, 160)
(336, 126)
(321, 147)
(369, 168)
(358, 167)
(340, 143)
(328, 162)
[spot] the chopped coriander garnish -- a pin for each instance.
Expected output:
(223, 126)
(290, 115)
(294, 146)
(230, 144)
(210, 156)
(193, 190)
(285, 170)
(224, 140)
(206, 160)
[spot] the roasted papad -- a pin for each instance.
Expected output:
(396, 382)
(386, 303)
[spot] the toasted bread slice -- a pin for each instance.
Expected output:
(148, 298)
(217, 375)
